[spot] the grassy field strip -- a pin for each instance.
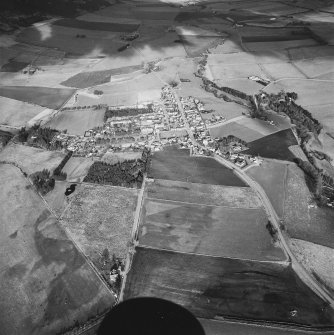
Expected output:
(134, 238)
(194, 203)
(285, 263)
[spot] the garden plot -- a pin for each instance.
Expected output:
(207, 230)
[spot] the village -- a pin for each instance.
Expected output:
(154, 125)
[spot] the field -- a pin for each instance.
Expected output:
(282, 70)
(77, 121)
(241, 197)
(302, 221)
(273, 146)
(13, 66)
(196, 45)
(114, 157)
(31, 159)
(46, 283)
(101, 217)
(310, 92)
(43, 96)
(263, 46)
(316, 259)
(77, 168)
(242, 84)
(235, 129)
(91, 25)
(272, 178)
(174, 165)
(211, 286)
(57, 199)
(93, 78)
(17, 113)
(207, 230)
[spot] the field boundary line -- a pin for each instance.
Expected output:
(287, 263)
(204, 205)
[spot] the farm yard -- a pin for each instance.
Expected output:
(205, 194)
(272, 178)
(212, 286)
(274, 146)
(46, 284)
(31, 159)
(101, 217)
(44, 96)
(77, 121)
(178, 165)
(208, 230)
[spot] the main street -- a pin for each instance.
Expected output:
(272, 215)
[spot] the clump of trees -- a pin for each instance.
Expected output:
(43, 182)
(272, 231)
(98, 92)
(127, 112)
(224, 143)
(129, 173)
(39, 137)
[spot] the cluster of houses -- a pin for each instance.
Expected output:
(174, 115)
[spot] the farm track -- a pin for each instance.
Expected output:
(134, 238)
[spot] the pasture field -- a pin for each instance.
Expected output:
(93, 78)
(208, 230)
(195, 46)
(43, 96)
(91, 25)
(315, 68)
(17, 113)
(212, 286)
(241, 84)
(31, 159)
(260, 126)
(217, 195)
(274, 146)
(321, 51)
(235, 71)
(272, 177)
(235, 129)
(310, 92)
(324, 114)
(316, 259)
(13, 66)
(77, 168)
(312, 224)
(77, 121)
(95, 44)
(46, 283)
(263, 46)
(101, 217)
(171, 165)
(115, 157)
(282, 70)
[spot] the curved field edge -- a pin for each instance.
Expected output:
(47, 284)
